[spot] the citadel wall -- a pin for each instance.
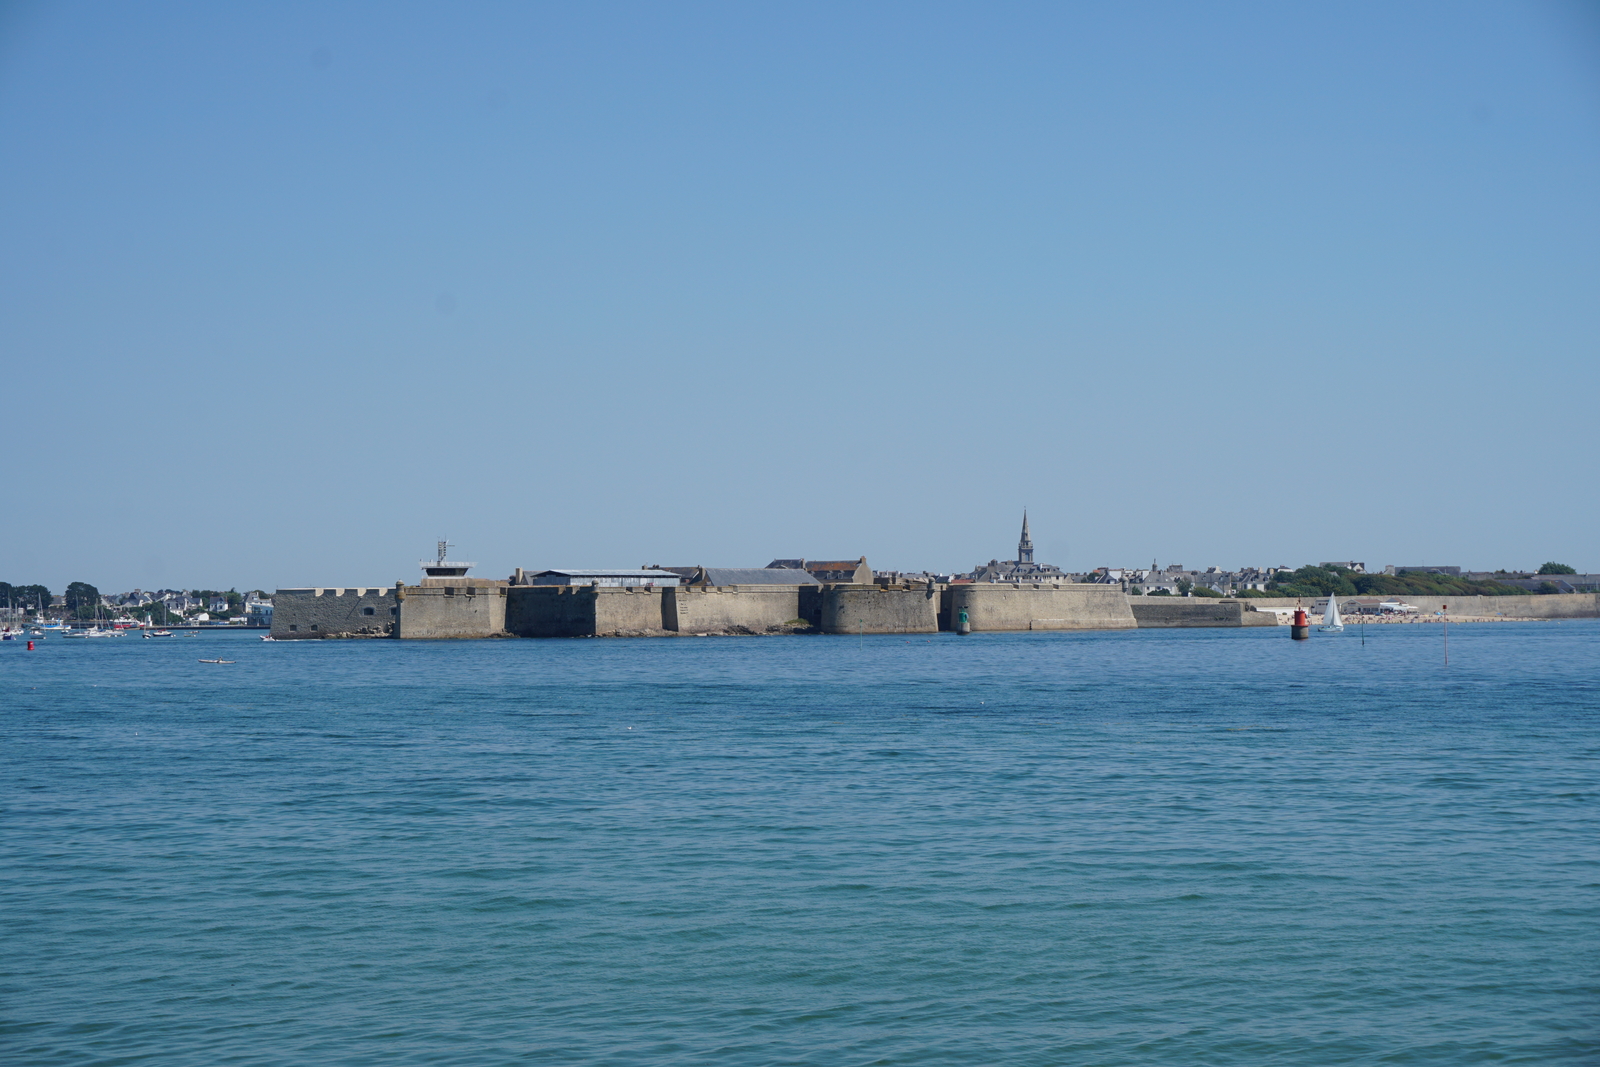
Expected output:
(435, 612)
(1161, 612)
(871, 609)
(756, 608)
(1064, 606)
(298, 614)
(580, 611)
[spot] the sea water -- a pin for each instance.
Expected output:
(1157, 847)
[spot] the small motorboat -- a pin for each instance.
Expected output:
(219, 661)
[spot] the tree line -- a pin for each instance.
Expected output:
(1313, 581)
(82, 600)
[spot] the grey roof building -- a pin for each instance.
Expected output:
(1021, 569)
(743, 575)
(848, 571)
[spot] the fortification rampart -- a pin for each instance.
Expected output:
(299, 614)
(1160, 612)
(871, 609)
(1532, 606)
(736, 608)
(1065, 606)
(439, 612)
(581, 611)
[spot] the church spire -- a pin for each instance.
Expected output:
(1025, 546)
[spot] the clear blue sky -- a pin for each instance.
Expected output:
(289, 291)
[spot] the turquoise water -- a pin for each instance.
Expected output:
(1159, 847)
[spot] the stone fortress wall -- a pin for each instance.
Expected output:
(1040, 606)
(435, 611)
(752, 608)
(581, 611)
(1163, 612)
(873, 609)
(369, 611)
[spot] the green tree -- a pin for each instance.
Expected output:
(1415, 583)
(158, 614)
(1557, 568)
(33, 597)
(1205, 590)
(1184, 585)
(1311, 581)
(83, 600)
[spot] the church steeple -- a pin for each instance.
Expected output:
(1025, 546)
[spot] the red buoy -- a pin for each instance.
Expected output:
(30, 646)
(1300, 629)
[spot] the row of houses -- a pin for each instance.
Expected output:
(181, 602)
(1176, 580)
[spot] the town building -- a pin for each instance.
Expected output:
(1177, 581)
(1021, 569)
(829, 571)
(725, 576)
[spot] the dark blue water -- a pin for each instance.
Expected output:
(1200, 847)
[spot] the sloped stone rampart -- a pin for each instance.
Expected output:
(1067, 606)
(580, 611)
(451, 612)
(757, 609)
(301, 614)
(870, 609)
(1160, 612)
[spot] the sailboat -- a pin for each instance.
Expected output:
(1331, 622)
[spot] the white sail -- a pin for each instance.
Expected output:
(1330, 618)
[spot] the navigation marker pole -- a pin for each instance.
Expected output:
(1444, 609)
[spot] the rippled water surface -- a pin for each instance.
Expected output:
(1159, 847)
